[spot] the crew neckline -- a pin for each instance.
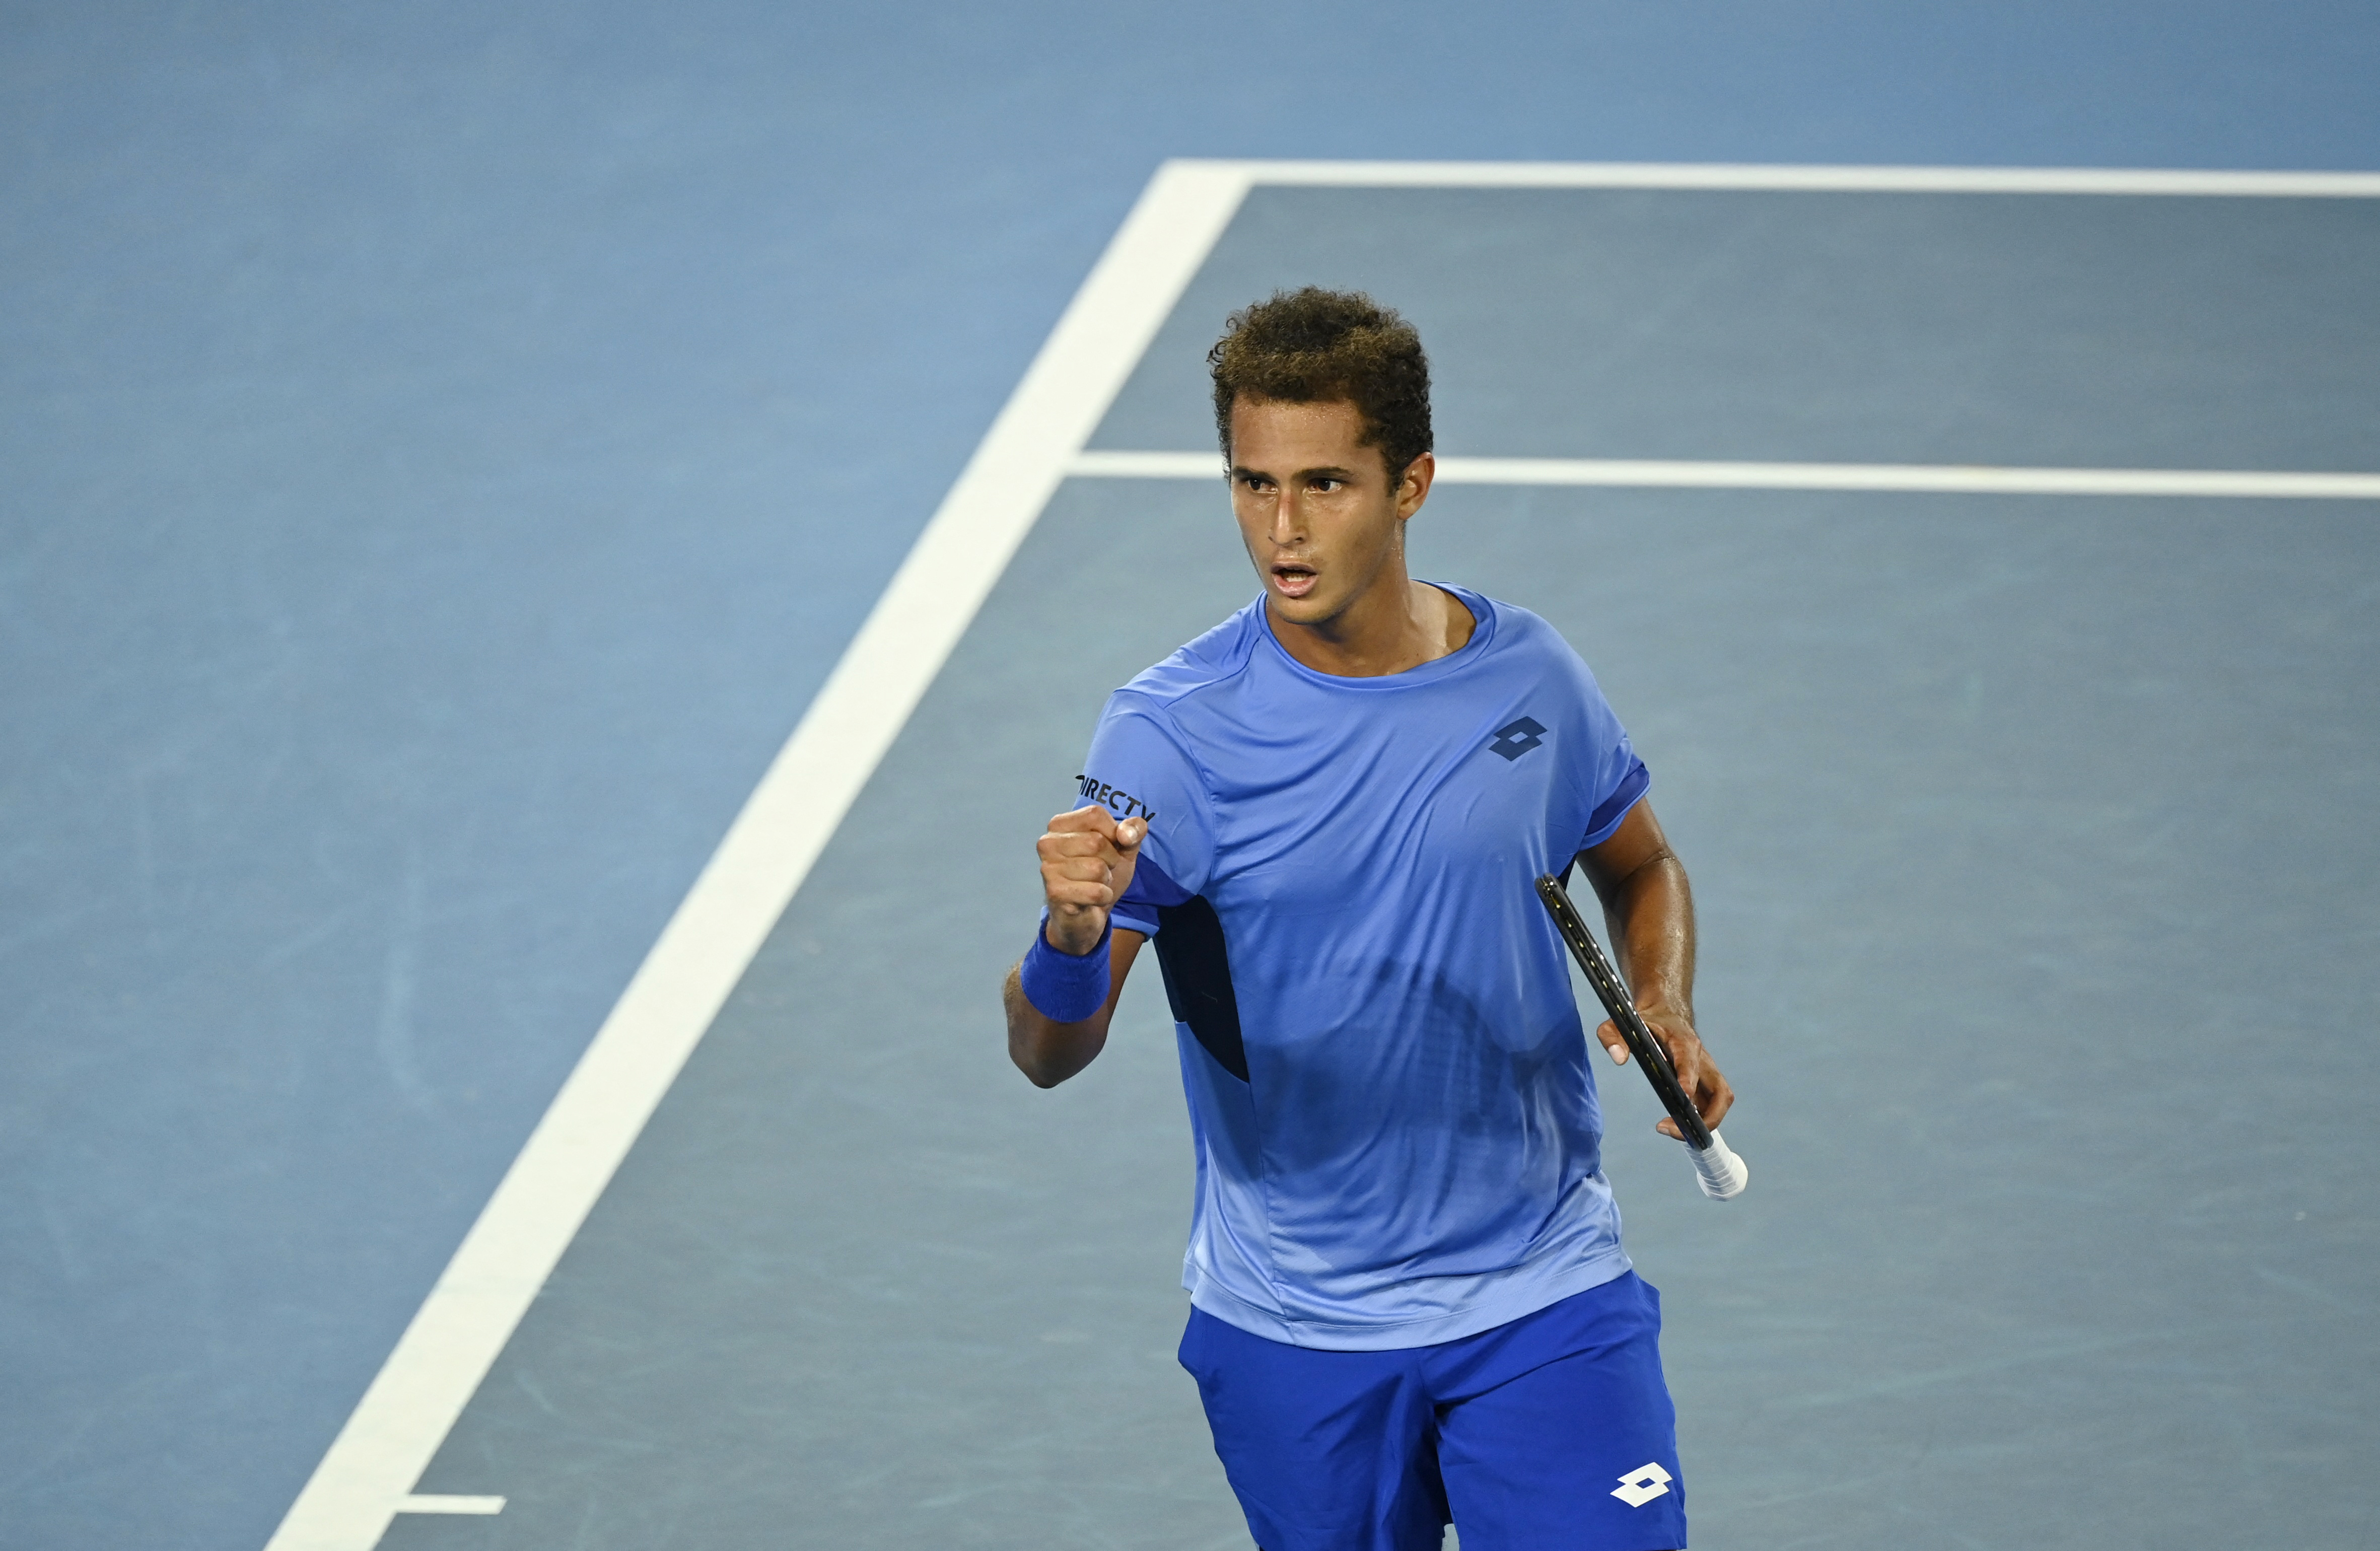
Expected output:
(1483, 630)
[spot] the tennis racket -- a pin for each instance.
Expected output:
(1723, 1174)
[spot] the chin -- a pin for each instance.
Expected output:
(1305, 610)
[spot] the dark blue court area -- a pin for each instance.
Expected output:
(2031, 839)
(447, 450)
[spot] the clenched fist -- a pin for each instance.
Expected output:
(1088, 858)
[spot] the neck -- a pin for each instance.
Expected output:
(1395, 625)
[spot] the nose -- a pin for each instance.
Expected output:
(1288, 519)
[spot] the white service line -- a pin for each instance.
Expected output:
(367, 1476)
(447, 1502)
(1956, 478)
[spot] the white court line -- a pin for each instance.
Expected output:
(369, 1472)
(1957, 479)
(366, 1477)
(445, 1502)
(1757, 175)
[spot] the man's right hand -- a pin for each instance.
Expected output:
(1087, 857)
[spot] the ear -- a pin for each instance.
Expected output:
(1413, 486)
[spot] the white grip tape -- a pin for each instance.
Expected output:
(1724, 1175)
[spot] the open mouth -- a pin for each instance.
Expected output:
(1293, 581)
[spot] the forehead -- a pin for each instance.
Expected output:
(1273, 436)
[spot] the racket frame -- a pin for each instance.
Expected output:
(1613, 993)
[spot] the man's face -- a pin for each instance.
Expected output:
(1316, 507)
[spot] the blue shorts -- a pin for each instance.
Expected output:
(1553, 1433)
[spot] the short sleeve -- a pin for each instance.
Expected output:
(1138, 768)
(1625, 792)
(1617, 779)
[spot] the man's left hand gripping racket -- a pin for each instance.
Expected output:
(1723, 1174)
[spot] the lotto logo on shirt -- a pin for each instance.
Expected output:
(1124, 805)
(1516, 738)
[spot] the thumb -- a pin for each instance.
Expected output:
(1609, 1032)
(1130, 834)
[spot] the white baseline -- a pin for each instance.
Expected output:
(1759, 176)
(367, 1476)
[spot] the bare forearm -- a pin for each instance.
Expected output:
(1049, 1052)
(1651, 916)
(1649, 909)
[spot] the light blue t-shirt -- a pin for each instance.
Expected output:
(1398, 1142)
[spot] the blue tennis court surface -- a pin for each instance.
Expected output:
(448, 448)
(2031, 836)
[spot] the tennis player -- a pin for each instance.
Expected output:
(1409, 1303)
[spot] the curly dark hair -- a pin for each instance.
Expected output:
(1318, 346)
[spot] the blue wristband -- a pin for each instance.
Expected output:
(1061, 986)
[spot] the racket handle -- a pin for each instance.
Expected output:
(1724, 1175)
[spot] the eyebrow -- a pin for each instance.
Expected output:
(1329, 471)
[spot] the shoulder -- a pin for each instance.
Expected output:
(1528, 649)
(1220, 654)
(1517, 631)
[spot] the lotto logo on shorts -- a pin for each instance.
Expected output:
(1641, 1485)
